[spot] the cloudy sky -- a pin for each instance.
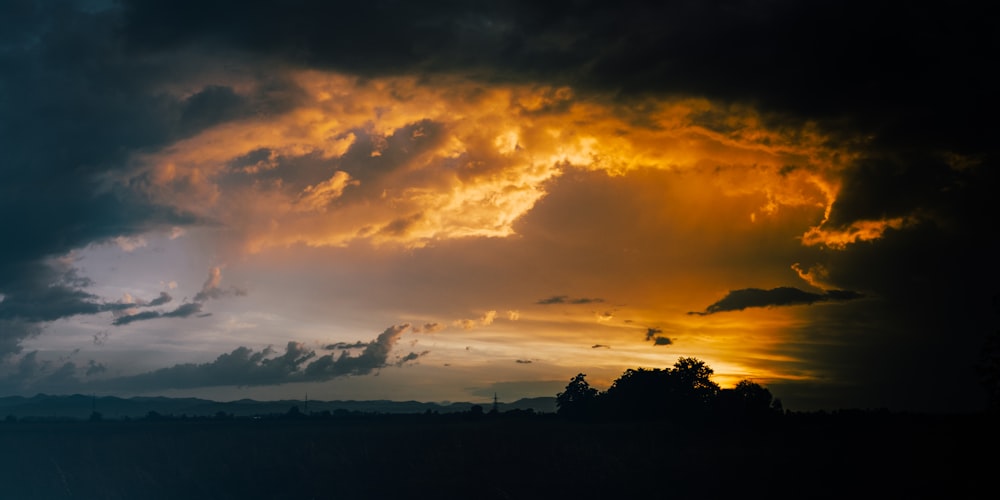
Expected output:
(445, 200)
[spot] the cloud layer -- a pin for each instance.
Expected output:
(437, 163)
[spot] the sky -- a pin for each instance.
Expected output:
(443, 201)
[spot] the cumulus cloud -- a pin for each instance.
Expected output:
(488, 318)
(211, 288)
(372, 358)
(246, 367)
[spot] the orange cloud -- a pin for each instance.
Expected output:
(863, 230)
(405, 162)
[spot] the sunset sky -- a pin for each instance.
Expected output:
(439, 201)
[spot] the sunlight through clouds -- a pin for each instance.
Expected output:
(397, 161)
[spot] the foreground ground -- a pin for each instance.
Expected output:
(819, 456)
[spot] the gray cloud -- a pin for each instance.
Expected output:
(738, 300)
(372, 358)
(429, 328)
(95, 368)
(658, 340)
(245, 367)
(182, 311)
(211, 289)
(40, 375)
(555, 299)
(412, 356)
(164, 298)
(565, 299)
(652, 332)
(345, 345)
(93, 89)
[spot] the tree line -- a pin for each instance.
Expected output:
(683, 392)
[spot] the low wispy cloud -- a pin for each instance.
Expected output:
(211, 289)
(486, 319)
(184, 310)
(738, 300)
(430, 327)
(346, 345)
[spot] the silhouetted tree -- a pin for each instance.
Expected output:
(578, 400)
(692, 378)
(756, 399)
(747, 400)
(475, 413)
(684, 391)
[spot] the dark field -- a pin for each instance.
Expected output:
(495, 457)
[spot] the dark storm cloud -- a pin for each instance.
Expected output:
(738, 300)
(821, 59)
(38, 293)
(910, 88)
(83, 106)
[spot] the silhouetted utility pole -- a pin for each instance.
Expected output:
(496, 406)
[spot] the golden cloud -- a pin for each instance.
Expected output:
(409, 162)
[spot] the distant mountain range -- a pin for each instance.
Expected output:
(80, 406)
